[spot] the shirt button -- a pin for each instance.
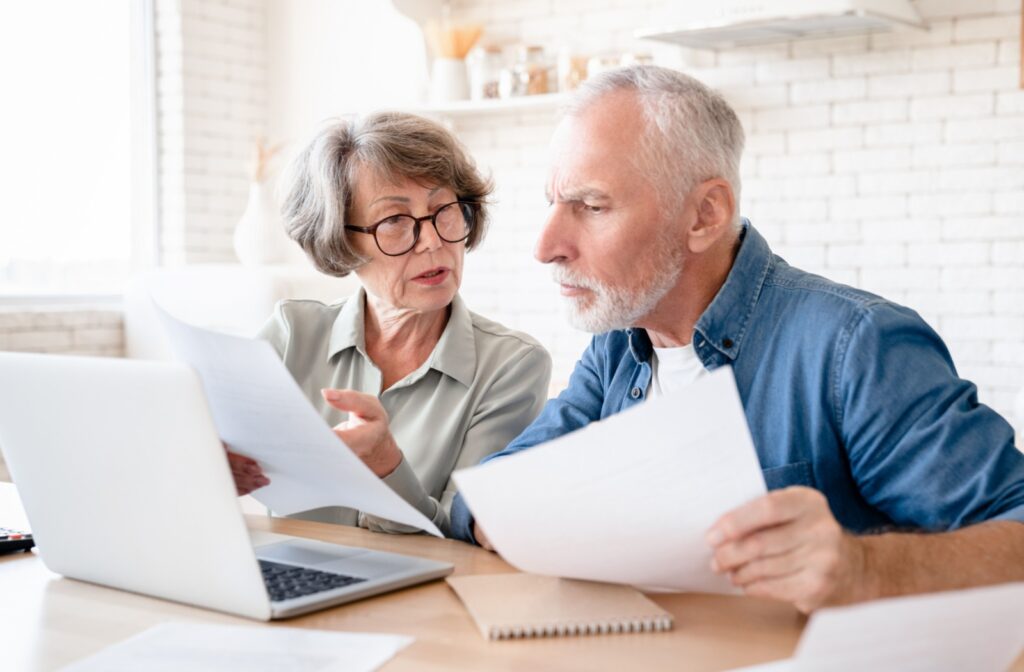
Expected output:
(635, 393)
(727, 343)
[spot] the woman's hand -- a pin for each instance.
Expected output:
(247, 473)
(366, 430)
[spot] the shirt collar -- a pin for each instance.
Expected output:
(639, 344)
(349, 330)
(724, 322)
(454, 355)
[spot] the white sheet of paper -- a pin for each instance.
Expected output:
(260, 412)
(171, 647)
(976, 629)
(628, 499)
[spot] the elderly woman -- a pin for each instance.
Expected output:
(412, 381)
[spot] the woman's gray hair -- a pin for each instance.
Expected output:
(390, 145)
(692, 134)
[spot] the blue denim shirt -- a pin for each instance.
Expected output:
(843, 391)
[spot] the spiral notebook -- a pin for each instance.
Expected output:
(515, 606)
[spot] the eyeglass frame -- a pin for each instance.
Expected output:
(418, 225)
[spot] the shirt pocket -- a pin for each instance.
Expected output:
(797, 473)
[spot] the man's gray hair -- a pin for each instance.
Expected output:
(692, 133)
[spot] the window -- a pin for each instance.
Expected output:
(66, 220)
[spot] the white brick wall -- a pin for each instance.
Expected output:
(894, 162)
(67, 329)
(211, 71)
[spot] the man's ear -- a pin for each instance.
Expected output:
(715, 207)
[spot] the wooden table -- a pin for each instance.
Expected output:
(48, 621)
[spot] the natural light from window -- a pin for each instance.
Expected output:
(65, 224)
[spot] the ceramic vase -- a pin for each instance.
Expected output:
(259, 236)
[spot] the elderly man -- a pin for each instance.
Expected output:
(866, 435)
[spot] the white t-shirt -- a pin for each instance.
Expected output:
(673, 369)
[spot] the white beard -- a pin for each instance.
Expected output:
(621, 307)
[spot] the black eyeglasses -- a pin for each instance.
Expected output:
(398, 234)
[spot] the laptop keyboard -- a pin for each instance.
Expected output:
(285, 582)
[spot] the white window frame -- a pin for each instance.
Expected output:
(144, 185)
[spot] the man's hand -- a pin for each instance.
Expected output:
(247, 473)
(787, 545)
(366, 431)
(481, 538)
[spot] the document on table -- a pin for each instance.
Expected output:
(627, 499)
(228, 648)
(260, 412)
(976, 629)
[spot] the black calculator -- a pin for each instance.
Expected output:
(13, 540)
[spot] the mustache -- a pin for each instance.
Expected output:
(565, 276)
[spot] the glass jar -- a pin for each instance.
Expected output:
(508, 83)
(532, 69)
(485, 65)
(572, 69)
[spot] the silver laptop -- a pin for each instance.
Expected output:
(125, 484)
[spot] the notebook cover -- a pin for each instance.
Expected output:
(510, 606)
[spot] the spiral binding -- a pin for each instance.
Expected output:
(657, 624)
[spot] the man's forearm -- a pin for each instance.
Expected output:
(900, 563)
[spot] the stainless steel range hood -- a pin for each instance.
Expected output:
(707, 24)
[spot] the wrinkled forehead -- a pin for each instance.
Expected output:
(372, 186)
(598, 146)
